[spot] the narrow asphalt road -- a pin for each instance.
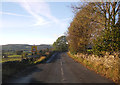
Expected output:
(61, 69)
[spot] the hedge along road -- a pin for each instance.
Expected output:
(60, 69)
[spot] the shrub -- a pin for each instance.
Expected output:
(107, 41)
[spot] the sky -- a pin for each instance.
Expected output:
(34, 22)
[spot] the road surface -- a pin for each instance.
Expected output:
(60, 69)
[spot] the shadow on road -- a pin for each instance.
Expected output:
(55, 58)
(21, 75)
(33, 80)
(24, 75)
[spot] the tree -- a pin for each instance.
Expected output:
(109, 38)
(85, 24)
(60, 44)
(95, 21)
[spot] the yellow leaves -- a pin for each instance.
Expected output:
(83, 25)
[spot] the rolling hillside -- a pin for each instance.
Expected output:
(24, 47)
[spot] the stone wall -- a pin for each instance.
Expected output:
(109, 60)
(107, 65)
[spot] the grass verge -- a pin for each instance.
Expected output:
(112, 73)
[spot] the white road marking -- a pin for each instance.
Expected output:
(62, 71)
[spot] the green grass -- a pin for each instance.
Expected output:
(29, 53)
(10, 59)
(90, 50)
(14, 56)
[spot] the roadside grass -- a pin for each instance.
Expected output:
(112, 73)
(11, 66)
(40, 59)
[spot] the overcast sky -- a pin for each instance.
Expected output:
(34, 22)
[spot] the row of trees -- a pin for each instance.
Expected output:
(95, 24)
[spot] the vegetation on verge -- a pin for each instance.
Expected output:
(94, 36)
(108, 67)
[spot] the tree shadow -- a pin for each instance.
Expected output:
(21, 74)
(55, 58)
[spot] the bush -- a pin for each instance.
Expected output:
(107, 41)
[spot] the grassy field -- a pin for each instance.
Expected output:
(14, 56)
(10, 59)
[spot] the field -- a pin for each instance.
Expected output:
(10, 59)
(11, 56)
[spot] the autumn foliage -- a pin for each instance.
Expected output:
(95, 25)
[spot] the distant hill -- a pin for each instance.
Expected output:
(24, 47)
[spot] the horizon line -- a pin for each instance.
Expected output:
(25, 44)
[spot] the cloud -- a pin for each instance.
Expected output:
(40, 11)
(14, 14)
